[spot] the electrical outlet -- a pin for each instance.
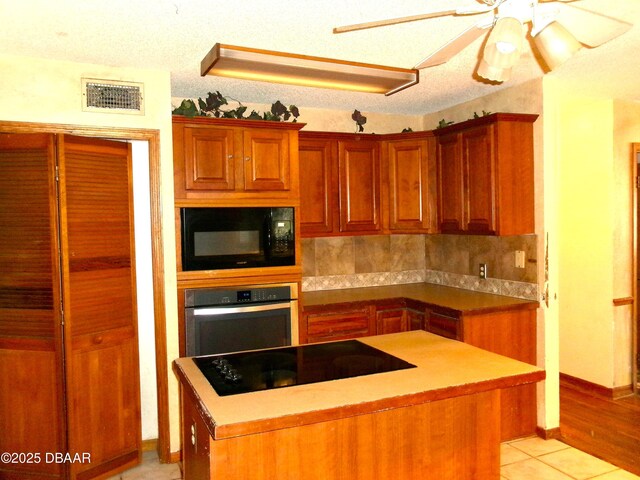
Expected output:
(482, 271)
(520, 259)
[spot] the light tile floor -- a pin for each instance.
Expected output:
(526, 459)
(537, 459)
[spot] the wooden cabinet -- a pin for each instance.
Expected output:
(510, 333)
(227, 159)
(337, 323)
(319, 185)
(399, 317)
(354, 184)
(485, 175)
(339, 184)
(445, 325)
(408, 184)
(391, 321)
(359, 183)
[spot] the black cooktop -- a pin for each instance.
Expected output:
(243, 372)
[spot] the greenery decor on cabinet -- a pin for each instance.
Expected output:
(212, 105)
(360, 120)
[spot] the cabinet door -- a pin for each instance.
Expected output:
(318, 175)
(338, 324)
(31, 381)
(266, 160)
(451, 208)
(391, 321)
(416, 319)
(444, 325)
(408, 182)
(209, 158)
(359, 170)
(479, 179)
(101, 342)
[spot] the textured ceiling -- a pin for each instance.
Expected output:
(174, 35)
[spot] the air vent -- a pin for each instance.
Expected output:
(112, 96)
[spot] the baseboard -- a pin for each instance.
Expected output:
(594, 389)
(548, 434)
(150, 445)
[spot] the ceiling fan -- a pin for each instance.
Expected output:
(558, 31)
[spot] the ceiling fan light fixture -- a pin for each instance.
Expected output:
(494, 74)
(278, 67)
(502, 50)
(556, 44)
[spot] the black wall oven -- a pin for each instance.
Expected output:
(237, 237)
(223, 320)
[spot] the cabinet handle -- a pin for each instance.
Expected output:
(246, 159)
(230, 156)
(97, 340)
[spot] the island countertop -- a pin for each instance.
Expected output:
(455, 299)
(445, 369)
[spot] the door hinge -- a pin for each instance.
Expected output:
(58, 174)
(637, 181)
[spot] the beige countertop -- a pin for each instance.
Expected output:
(445, 368)
(456, 299)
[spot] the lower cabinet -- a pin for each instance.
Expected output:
(338, 323)
(511, 333)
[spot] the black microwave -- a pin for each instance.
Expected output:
(237, 237)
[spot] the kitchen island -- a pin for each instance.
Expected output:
(440, 420)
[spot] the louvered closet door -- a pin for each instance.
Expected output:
(96, 216)
(31, 394)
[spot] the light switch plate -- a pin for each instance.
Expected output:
(520, 259)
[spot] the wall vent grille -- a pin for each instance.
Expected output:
(112, 96)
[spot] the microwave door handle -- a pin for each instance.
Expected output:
(228, 310)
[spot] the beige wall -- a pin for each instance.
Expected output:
(324, 120)
(46, 91)
(589, 147)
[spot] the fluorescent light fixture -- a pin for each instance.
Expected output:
(556, 44)
(502, 50)
(276, 67)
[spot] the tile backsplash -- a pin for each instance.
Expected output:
(373, 260)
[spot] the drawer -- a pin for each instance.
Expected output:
(340, 324)
(444, 325)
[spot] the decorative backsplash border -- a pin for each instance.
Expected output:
(496, 286)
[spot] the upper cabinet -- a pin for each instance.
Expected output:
(227, 159)
(359, 185)
(485, 175)
(408, 185)
(366, 184)
(319, 185)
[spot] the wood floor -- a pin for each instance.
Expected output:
(608, 429)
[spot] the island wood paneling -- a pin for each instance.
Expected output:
(454, 438)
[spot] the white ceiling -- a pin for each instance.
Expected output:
(174, 35)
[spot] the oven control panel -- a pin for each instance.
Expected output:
(202, 297)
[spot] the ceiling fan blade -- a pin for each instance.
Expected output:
(392, 21)
(455, 45)
(590, 28)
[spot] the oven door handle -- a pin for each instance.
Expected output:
(228, 310)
